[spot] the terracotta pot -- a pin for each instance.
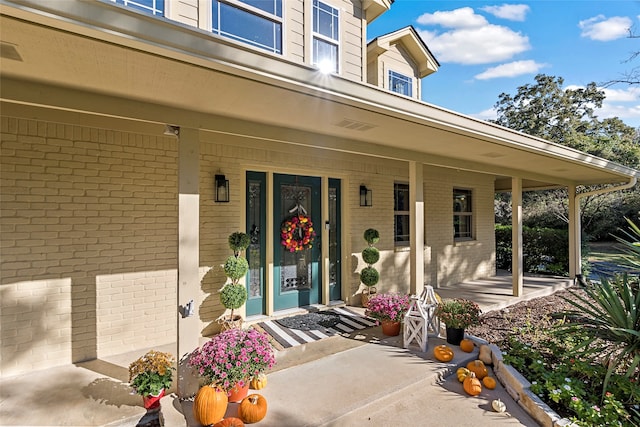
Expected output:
(236, 394)
(454, 335)
(390, 328)
(152, 402)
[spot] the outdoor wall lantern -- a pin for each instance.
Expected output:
(221, 188)
(366, 197)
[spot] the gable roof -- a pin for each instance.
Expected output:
(415, 46)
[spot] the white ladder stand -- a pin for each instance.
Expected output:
(420, 320)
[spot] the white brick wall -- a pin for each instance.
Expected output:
(82, 208)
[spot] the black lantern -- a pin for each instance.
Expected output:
(221, 188)
(366, 198)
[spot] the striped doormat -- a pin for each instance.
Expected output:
(348, 322)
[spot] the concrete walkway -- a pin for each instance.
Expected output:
(366, 379)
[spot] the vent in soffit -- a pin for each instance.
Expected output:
(9, 51)
(354, 125)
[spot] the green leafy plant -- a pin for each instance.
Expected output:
(151, 373)
(458, 313)
(371, 236)
(238, 242)
(369, 276)
(232, 296)
(235, 268)
(370, 255)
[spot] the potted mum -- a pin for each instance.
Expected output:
(389, 309)
(151, 376)
(231, 358)
(457, 314)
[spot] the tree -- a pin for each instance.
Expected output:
(567, 117)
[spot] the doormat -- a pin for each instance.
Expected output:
(305, 328)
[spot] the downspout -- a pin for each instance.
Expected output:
(632, 182)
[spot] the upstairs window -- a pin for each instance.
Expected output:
(255, 22)
(399, 83)
(462, 214)
(326, 36)
(153, 7)
(401, 212)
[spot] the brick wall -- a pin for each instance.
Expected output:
(89, 219)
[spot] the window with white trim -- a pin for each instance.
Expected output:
(255, 22)
(326, 36)
(401, 214)
(399, 83)
(154, 7)
(462, 214)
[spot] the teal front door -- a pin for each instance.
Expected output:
(296, 263)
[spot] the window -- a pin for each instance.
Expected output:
(401, 213)
(400, 83)
(462, 214)
(325, 36)
(254, 22)
(154, 7)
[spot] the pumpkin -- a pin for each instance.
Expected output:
(489, 382)
(498, 405)
(472, 385)
(485, 354)
(258, 382)
(230, 422)
(467, 345)
(210, 405)
(443, 353)
(253, 408)
(462, 373)
(478, 368)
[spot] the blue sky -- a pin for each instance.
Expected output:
(486, 48)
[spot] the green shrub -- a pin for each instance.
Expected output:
(239, 241)
(369, 276)
(371, 236)
(235, 268)
(371, 255)
(232, 296)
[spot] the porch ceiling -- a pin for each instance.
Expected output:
(161, 72)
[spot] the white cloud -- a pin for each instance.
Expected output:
(471, 38)
(464, 17)
(512, 69)
(512, 12)
(488, 114)
(605, 29)
(483, 45)
(631, 94)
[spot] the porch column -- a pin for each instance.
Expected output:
(188, 254)
(575, 238)
(517, 264)
(416, 228)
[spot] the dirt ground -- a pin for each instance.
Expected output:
(525, 317)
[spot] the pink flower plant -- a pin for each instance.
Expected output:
(388, 307)
(233, 357)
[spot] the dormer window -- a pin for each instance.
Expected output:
(153, 7)
(326, 36)
(399, 83)
(255, 22)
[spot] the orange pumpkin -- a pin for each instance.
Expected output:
(253, 408)
(443, 353)
(210, 405)
(467, 345)
(489, 382)
(230, 422)
(472, 385)
(259, 382)
(478, 368)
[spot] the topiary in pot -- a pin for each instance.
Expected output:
(233, 295)
(235, 268)
(369, 276)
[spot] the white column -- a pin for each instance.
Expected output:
(188, 254)
(416, 229)
(575, 238)
(517, 264)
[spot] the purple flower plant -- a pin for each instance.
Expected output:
(388, 307)
(233, 357)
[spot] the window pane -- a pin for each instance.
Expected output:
(325, 55)
(401, 228)
(462, 226)
(254, 253)
(400, 83)
(401, 197)
(463, 214)
(273, 7)
(246, 27)
(325, 20)
(461, 201)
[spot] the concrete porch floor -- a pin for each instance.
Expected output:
(95, 393)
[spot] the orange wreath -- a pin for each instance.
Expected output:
(297, 233)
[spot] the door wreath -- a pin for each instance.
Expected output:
(297, 233)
